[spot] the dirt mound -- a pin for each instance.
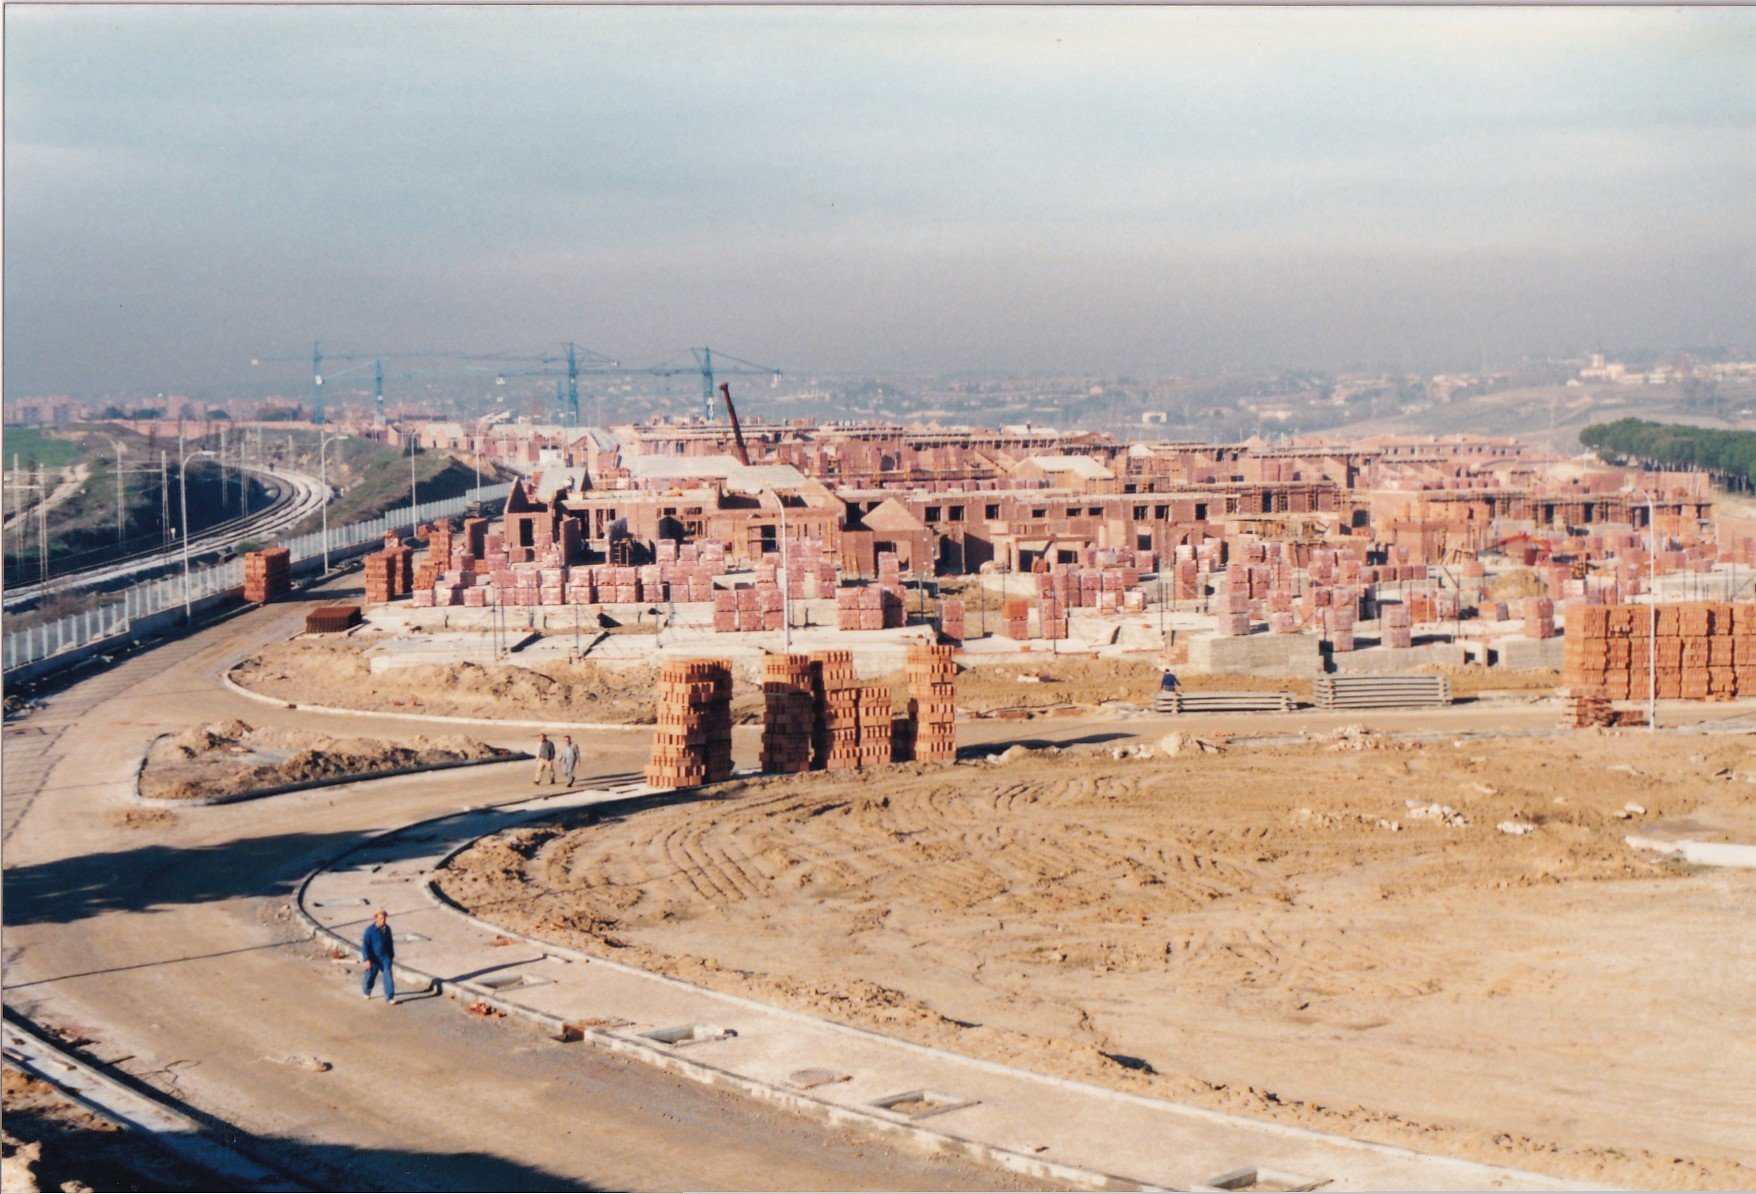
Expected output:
(231, 757)
(1217, 926)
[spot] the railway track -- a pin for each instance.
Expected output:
(298, 496)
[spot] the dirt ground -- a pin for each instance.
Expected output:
(51, 1143)
(230, 757)
(1338, 934)
(337, 673)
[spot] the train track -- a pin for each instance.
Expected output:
(298, 496)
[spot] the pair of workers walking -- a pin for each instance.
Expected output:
(548, 757)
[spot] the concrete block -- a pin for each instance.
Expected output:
(1279, 655)
(1530, 654)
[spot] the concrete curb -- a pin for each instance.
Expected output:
(303, 785)
(798, 1102)
(125, 1100)
(237, 689)
(805, 1104)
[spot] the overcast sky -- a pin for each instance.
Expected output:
(872, 189)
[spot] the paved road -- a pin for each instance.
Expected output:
(170, 945)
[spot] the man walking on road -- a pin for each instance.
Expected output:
(545, 760)
(378, 951)
(569, 760)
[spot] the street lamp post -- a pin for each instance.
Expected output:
(1652, 611)
(323, 480)
(183, 490)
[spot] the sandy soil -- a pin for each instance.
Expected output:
(1272, 931)
(230, 757)
(51, 1143)
(320, 673)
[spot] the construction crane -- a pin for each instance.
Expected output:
(363, 360)
(704, 365)
(565, 368)
(725, 390)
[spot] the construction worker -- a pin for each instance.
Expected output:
(378, 951)
(569, 760)
(1168, 681)
(545, 760)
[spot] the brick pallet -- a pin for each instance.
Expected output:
(267, 574)
(931, 672)
(789, 713)
(875, 715)
(1703, 650)
(692, 743)
(836, 718)
(331, 619)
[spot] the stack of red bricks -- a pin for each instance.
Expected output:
(809, 574)
(1234, 612)
(380, 576)
(1017, 611)
(692, 743)
(1396, 627)
(689, 569)
(789, 713)
(755, 607)
(890, 574)
(835, 690)
(1704, 650)
(874, 716)
(1338, 626)
(931, 671)
(1186, 580)
(951, 619)
(1051, 611)
(1539, 617)
(267, 574)
(870, 608)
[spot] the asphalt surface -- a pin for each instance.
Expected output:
(171, 948)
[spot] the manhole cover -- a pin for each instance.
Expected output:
(809, 1079)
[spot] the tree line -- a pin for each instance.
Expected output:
(1730, 454)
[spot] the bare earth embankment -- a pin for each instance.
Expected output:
(1272, 931)
(229, 758)
(338, 674)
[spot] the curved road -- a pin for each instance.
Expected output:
(171, 946)
(301, 496)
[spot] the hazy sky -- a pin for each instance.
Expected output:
(871, 189)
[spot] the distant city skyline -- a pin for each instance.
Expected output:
(914, 189)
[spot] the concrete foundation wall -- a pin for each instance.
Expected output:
(1372, 660)
(1529, 654)
(1282, 656)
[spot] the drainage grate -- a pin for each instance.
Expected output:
(342, 902)
(681, 1035)
(506, 982)
(1257, 1178)
(920, 1104)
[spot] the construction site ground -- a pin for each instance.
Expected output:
(457, 674)
(1436, 941)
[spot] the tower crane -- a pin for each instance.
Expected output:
(363, 360)
(704, 365)
(565, 367)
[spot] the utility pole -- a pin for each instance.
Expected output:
(412, 527)
(120, 532)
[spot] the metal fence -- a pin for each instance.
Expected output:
(21, 647)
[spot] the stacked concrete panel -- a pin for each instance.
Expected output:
(692, 743)
(931, 672)
(267, 574)
(789, 717)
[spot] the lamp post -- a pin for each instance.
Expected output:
(1652, 610)
(323, 479)
(183, 490)
(119, 494)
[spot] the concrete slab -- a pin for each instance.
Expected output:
(1038, 1125)
(1285, 656)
